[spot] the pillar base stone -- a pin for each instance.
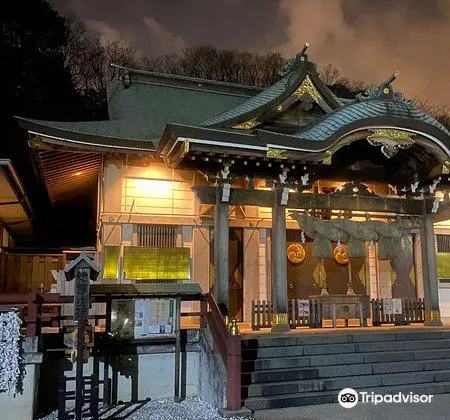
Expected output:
(433, 324)
(280, 322)
(433, 319)
(280, 328)
(241, 413)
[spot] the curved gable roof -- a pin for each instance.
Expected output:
(327, 126)
(300, 73)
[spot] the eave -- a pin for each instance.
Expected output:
(16, 212)
(84, 140)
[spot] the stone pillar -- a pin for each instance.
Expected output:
(430, 280)
(279, 268)
(221, 252)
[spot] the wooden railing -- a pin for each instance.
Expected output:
(40, 310)
(413, 311)
(227, 345)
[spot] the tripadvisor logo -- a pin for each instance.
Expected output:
(348, 398)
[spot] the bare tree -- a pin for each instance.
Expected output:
(329, 74)
(439, 112)
(89, 63)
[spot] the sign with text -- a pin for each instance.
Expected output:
(143, 318)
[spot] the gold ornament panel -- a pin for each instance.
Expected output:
(295, 253)
(341, 256)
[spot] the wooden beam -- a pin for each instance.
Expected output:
(263, 198)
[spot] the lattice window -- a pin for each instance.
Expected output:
(157, 235)
(443, 243)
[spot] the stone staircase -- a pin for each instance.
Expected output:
(312, 368)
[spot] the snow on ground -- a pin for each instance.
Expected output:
(190, 409)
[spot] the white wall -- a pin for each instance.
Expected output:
(156, 376)
(444, 303)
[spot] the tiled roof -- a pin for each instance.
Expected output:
(262, 99)
(328, 125)
(159, 101)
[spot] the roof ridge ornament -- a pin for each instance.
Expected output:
(291, 63)
(384, 91)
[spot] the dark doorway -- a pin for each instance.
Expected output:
(236, 259)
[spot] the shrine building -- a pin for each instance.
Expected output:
(261, 194)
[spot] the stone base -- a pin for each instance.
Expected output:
(280, 322)
(242, 412)
(433, 323)
(280, 328)
(433, 318)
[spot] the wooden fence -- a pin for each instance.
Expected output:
(262, 311)
(28, 273)
(413, 311)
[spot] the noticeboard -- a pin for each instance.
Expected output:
(143, 318)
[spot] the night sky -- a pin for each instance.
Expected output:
(366, 40)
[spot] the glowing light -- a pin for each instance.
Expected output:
(78, 173)
(151, 187)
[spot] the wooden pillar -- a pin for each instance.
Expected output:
(430, 280)
(221, 251)
(279, 267)
(251, 270)
(418, 268)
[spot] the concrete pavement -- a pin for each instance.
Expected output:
(438, 409)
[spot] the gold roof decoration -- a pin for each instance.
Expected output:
(276, 153)
(446, 167)
(247, 125)
(390, 140)
(307, 88)
(328, 158)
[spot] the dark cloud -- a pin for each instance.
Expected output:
(366, 40)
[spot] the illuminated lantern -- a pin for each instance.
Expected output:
(295, 253)
(341, 256)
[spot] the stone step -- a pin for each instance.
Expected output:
(298, 350)
(343, 359)
(324, 397)
(335, 337)
(325, 349)
(278, 375)
(320, 372)
(338, 383)
(402, 345)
